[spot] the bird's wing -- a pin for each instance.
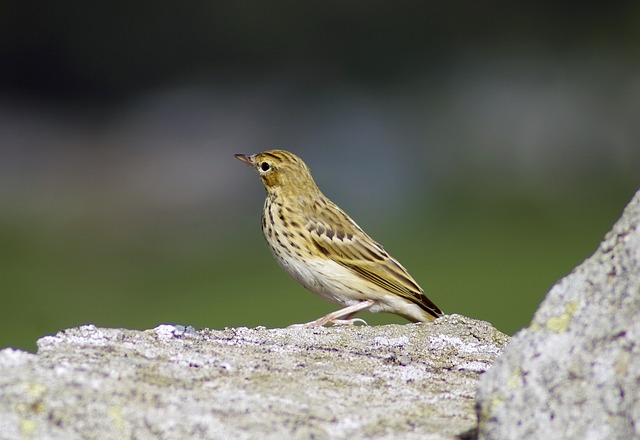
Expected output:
(338, 237)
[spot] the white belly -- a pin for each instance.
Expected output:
(337, 284)
(325, 278)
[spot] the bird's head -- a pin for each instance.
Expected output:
(281, 172)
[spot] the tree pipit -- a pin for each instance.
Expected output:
(319, 245)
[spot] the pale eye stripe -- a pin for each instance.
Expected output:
(270, 154)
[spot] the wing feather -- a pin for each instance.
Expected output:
(338, 237)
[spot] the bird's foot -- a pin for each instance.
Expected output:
(334, 317)
(353, 321)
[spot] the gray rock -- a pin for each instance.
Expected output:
(575, 372)
(397, 381)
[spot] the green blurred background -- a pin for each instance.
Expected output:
(487, 146)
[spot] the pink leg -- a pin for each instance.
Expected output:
(333, 317)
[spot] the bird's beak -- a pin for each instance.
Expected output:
(246, 159)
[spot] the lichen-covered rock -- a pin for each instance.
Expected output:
(414, 381)
(575, 372)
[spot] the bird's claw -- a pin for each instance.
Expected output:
(333, 322)
(353, 321)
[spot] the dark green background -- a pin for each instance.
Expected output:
(492, 259)
(489, 147)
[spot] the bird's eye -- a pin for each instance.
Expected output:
(264, 166)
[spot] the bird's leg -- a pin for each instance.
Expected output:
(347, 320)
(334, 317)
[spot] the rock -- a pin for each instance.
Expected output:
(575, 372)
(397, 381)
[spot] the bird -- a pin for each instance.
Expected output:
(322, 248)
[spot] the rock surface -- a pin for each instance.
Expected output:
(398, 381)
(575, 372)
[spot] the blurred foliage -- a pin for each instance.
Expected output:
(492, 258)
(92, 50)
(113, 112)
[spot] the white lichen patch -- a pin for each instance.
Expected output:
(442, 341)
(10, 357)
(391, 342)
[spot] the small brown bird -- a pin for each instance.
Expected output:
(319, 245)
